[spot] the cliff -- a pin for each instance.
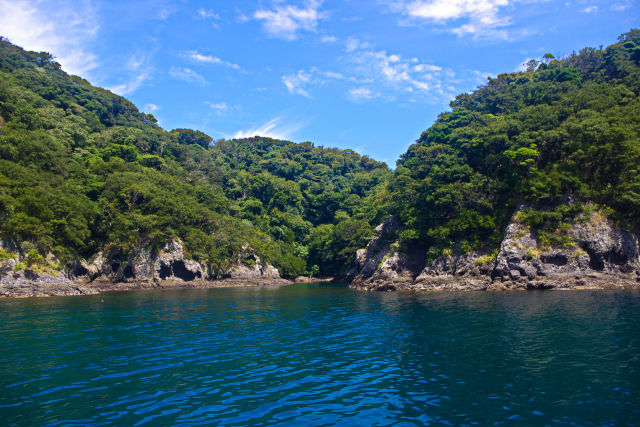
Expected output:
(31, 275)
(590, 253)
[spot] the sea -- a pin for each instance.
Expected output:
(321, 355)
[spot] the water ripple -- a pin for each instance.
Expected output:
(316, 355)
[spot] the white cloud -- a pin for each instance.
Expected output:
(483, 17)
(361, 93)
(274, 128)
(378, 74)
(53, 26)
(329, 39)
(298, 82)
(295, 83)
(621, 6)
(138, 70)
(188, 75)
(285, 21)
(152, 108)
(590, 9)
(210, 59)
(333, 75)
(394, 70)
(354, 44)
(219, 107)
(207, 14)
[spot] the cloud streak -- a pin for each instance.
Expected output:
(188, 75)
(65, 32)
(139, 71)
(478, 18)
(196, 56)
(275, 128)
(286, 21)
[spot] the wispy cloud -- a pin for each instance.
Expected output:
(65, 31)
(220, 108)
(590, 9)
(188, 75)
(138, 70)
(298, 83)
(207, 14)
(210, 59)
(285, 21)
(152, 108)
(361, 93)
(278, 127)
(394, 73)
(369, 74)
(482, 18)
(621, 5)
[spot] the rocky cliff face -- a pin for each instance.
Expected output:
(595, 253)
(249, 266)
(381, 265)
(169, 263)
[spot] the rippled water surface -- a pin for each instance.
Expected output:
(321, 355)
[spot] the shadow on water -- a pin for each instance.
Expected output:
(321, 354)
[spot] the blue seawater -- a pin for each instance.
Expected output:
(321, 355)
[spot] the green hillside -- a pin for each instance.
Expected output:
(565, 129)
(81, 169)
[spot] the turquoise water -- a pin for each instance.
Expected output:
(321, 355)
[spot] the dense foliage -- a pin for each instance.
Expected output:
(561, 129)
(81, 169)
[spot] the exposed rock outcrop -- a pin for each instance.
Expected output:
(142, 264)
(146, 264)
(143, 268)
(249, 266)
(381, 266)
(594, 253)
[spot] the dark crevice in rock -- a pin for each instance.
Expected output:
(557, 259)
(78, 270)
(115, 266)
(617, 258)
(595, 261)
(181, 272)
(128, 273)
(165, 271)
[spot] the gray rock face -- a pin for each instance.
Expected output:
(249, 266)
(456, 265)
(143, 264)
(10, 278)
(381, 266)
(593, 251)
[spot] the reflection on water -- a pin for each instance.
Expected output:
(321, 354)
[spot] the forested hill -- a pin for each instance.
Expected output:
(562, 130)
(81, 170)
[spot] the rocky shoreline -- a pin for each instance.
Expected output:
(26, 289)
(595, 254)
(466, 284)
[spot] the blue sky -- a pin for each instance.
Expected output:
(362, 74)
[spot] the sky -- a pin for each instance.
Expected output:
(367, 75)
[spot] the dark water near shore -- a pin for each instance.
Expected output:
(321, 355)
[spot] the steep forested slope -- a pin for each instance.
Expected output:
(81, 169)
(564, 129)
